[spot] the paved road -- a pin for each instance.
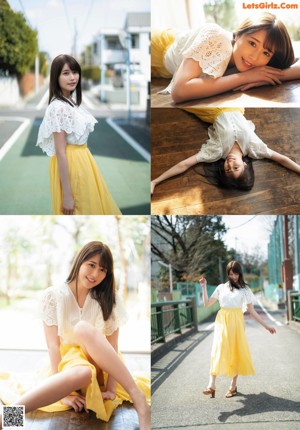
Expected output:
(122, 158)
(268, 400)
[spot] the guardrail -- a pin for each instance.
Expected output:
(295, 305)
(171, 317)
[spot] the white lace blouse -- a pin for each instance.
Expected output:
(209, 45)
(238, 298)
(59, 307)
(228, 128)
(76, 121)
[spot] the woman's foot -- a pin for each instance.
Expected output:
(231, 392)
(209, 391)
(142, 409)
(152, 187)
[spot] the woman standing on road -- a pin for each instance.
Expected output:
(77, 186)
(230, 354)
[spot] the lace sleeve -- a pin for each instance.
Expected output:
(248, 298)
(216, 293)
(59, 117)
(117, 318)
(48, 307)
(212, 48)
(257, 148)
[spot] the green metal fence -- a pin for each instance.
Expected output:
(295, 301)
(170, 317)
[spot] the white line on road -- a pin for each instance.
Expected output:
(136, 146)
(88, 103)
(13, 138)
(43, 101)
(267, 313)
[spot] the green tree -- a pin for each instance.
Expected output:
(193, 245)
(18, 42)
(221, 12)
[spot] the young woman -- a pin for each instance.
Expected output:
(230, 354)
(198, 59)
(77, 186)
(231, 145)
(81, 322)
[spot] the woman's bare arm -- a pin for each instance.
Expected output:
(206, 301)
(53, 345)
(187, 84)
(255, 315)
(285, 161)
(175, 170)
(60, 142)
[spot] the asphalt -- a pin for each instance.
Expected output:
(126, 169)
(268, 400)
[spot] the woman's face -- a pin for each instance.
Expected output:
(249, 51)
(234, 277)
(234, 166)
(91, 273)
(68, 80)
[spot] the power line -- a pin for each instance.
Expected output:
(88, 15)
(67, 14)
(244, 223)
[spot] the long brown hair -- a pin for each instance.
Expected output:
(236, 267)
(277, 38)
(56, 68)
(105, 292)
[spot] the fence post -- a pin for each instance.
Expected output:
(194, 312)
(160, 324)
(176, 318)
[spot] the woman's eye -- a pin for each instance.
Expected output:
(267, 53)
(252, 43)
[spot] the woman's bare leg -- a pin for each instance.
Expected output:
(100, 350)
(175, 170)
(56, 387)
(212, 382)
(233, 382)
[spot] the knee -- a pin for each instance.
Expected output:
(83, 330)
(84, 375)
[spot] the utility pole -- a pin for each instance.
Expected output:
(286, 268)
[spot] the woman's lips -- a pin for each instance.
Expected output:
(248, 65)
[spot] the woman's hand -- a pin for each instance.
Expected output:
(76, 401)
(68, 205)
(203, 282)
(248, 86)
(271, 329)
(266, 74)
(108, 395)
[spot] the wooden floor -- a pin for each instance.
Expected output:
(124, 417)
(176, 135)
(284, 95)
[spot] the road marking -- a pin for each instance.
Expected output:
(267, 313)
(43, 101)
(133, 143)
(88, 103)
(13, 138)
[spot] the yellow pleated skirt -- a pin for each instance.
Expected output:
(89, 189)
(230, 354)
(160, 42)
(12, 386)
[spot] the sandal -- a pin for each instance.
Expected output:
(210, 391)
(231, 392)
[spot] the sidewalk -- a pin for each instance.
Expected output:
(270, 399)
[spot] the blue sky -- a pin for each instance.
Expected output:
(55, 20)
